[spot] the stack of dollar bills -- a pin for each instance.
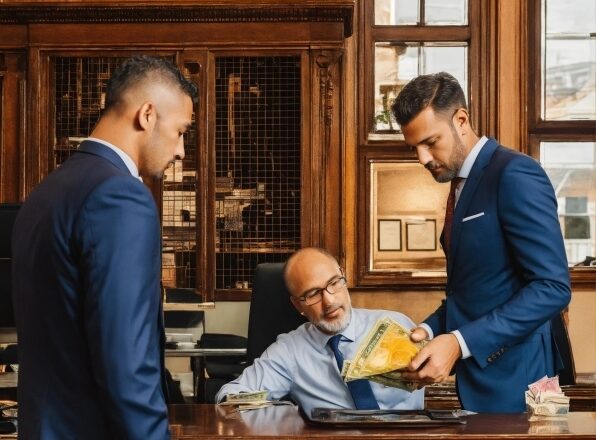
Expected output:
(545, 400)
(246, 401)
(384, 353)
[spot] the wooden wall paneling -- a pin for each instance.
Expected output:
(511, 50)
(12, 124)
(36, 148)
(349, 156)
(307, 210)
(184, 34)
(326, 139)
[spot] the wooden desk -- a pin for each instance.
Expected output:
(211, 422)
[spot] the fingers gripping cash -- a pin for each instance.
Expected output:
(384, 355)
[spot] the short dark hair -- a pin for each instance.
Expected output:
(141, 67)
(440, 91)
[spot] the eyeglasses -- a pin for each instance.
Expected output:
(315, 296)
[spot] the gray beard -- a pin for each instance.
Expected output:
(335, 327)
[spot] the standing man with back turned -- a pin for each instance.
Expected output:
(86, 269)
(507, 273)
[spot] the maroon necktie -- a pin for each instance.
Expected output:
(449, 214)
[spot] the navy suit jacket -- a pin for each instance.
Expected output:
(86, 271)
(507, 276)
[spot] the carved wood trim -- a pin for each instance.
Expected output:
(177, 14)
(326, 124)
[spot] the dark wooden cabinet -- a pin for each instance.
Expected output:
(262, 173)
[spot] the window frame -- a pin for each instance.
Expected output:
(541, 130)
(479, 35)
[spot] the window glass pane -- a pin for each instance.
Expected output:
(446, 12)
(571, 167)
(398, 63)
(396, 12)
(569, 60)
(563, 17)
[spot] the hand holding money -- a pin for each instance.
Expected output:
(383, 355)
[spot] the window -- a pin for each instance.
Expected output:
(406, 38)
(398, 240)
(562, 122)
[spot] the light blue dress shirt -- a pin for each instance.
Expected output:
(301, 364)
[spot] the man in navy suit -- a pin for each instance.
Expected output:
(507, 273)
(86, 271)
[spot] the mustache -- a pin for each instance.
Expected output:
(432, 165)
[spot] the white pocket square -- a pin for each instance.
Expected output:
(472, 217)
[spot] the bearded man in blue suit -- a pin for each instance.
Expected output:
(86, 269)
(507, 273)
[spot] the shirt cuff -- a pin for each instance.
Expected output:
(429, 331)
(465, 351)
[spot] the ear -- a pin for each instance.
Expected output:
(146, 116)
(461, 118)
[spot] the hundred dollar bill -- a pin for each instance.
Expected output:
(386, 348)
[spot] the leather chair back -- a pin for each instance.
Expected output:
(271, 312)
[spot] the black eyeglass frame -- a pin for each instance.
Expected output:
(317, 294)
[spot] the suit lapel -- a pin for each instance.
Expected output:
(101, 150)
(472, 181)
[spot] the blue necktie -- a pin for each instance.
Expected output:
(360, 389)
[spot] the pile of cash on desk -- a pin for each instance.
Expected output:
(385, 351)
(545, 400)
(251, 400)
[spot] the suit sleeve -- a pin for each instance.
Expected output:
(436, 321)
(528, 217)
(120, 247)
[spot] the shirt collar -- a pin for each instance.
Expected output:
(132, 167)
(466, 167)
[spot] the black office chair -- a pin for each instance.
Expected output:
(271, 312)
(219, 370)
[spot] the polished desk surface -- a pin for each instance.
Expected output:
(204, 352)
(286, 422)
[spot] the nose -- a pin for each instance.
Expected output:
(180, 149)
(328, 299)
(424, 155)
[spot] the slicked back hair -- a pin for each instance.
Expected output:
(440, 91)
(145, 68)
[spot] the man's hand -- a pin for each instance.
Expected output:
(418, 334)
(436, 358)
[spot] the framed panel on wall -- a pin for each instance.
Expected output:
(404, 222)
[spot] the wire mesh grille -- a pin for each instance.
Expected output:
(80, 85)
(258, 142)
(179, 215)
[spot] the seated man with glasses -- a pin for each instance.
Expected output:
(306, 363)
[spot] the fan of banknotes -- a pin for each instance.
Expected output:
(545, 400)
(386, 350)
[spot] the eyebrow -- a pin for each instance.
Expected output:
(312, 289)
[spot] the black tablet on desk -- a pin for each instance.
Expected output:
(378, 418)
